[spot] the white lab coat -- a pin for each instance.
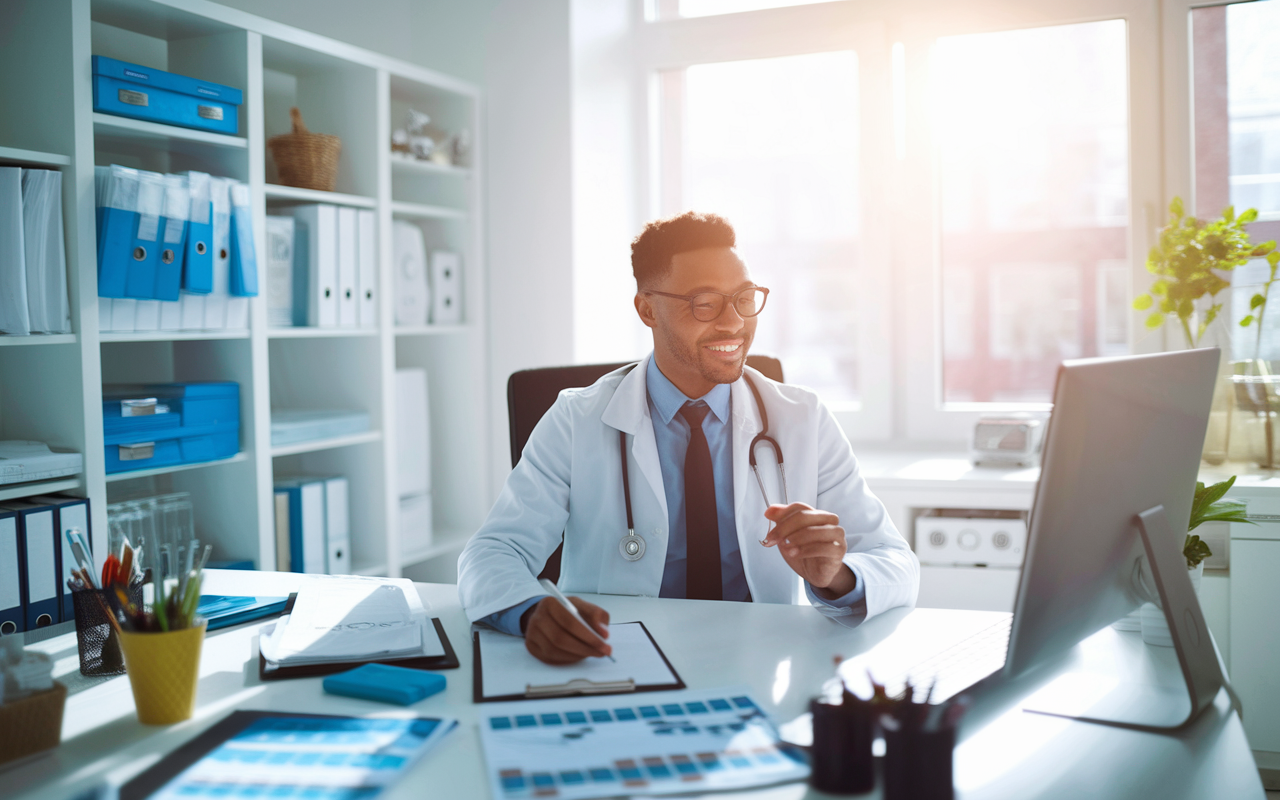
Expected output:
(569, 480)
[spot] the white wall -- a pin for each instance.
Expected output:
(529, 196)
(445, 35)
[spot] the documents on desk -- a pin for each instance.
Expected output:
(507, 671)
(346, 619)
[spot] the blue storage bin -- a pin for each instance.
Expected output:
(132, 90)
(197, 422)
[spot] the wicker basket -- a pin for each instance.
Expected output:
(305, 159)
(32, 724)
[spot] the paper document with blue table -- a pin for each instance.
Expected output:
(505, 670)
(658, 744)
(285, 756)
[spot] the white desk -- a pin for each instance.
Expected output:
(782, 652)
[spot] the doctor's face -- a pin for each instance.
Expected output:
(697, 355)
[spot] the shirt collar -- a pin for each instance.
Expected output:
(668, 400)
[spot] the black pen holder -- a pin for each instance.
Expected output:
(95, 637)
(918, 762)
(840, 758)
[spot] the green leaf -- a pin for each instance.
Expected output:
(1142, 302)
(1206, 496)
(1155, 320)
(1256, 301)
(1273, 257)
(1248, 216)
(1229, 213)
(1247, 321)
(1175, 207)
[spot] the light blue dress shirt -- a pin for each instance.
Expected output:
(672, 434)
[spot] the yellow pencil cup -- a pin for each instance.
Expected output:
(163, 671)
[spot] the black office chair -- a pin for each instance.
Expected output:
(531, 392)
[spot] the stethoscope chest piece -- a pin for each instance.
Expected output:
(631, 546)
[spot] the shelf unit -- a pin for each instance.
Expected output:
(54, 393)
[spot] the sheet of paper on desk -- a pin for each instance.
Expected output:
(507, 667)
(349, 618)
(284, 757)
(643, 744)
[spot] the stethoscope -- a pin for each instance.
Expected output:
(632, 545)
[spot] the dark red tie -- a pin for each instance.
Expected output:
(702, 531)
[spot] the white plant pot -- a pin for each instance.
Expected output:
(1155, 629)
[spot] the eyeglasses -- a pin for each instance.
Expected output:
(708, 306)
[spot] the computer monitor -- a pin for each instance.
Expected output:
(1123, 442)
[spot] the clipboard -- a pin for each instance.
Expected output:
(267, 672)
(577, 687)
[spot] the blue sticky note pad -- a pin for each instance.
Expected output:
(385, 683)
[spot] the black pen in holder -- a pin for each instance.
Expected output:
(840, 758)
(917, 759)
(95, 636)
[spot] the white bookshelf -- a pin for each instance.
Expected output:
(353, 93)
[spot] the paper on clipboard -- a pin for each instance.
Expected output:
(507, 668)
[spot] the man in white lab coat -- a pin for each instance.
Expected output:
(704, 527)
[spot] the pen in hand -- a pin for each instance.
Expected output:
(564, 601)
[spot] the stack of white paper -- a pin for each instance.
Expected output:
(45, 252)
(14, 317)
(347, 618)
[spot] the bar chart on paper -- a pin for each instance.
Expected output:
(651, 744)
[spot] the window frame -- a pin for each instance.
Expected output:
(903, 394)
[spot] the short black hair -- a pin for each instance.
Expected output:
(663, 239)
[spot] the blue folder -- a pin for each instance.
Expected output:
(244, 262)
(173, 236)
(144, 254)
(197, 266)
(117, 221)
(13, 577)
(386, 684)
(223, 611)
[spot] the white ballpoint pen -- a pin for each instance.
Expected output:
(564, 601)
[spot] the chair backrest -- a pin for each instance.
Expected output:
(532, 392)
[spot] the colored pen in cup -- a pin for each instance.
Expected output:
(564, 601)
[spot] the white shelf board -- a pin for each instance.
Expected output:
(423, 211)
(445, 542)
(326, 444)
(38, 338)
(173, 336)
(141, 129)
(146, 473)
(428, 167)
(12, 154)
(432, 330)
(277, 192)
(13, 491)
(318, 333)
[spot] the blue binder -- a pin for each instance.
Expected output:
(244, 262)
(173, 236)
(117, 189)
(69, 512)
(145, 249)
(307, 551)
(197, 266)
(13, 577)
(39, 563)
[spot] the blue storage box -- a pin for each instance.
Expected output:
(131, 90)
(167, 424)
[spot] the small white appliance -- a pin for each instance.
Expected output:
(968, 538)
(1011, 440)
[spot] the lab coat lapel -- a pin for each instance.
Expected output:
(629, 411)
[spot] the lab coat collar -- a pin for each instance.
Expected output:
(668, 399)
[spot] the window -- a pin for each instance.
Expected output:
(772, 145)
(667, 9)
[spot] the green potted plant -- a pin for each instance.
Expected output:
(1191, 261)
(1208, 506)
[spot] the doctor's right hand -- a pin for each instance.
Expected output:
(553, 636)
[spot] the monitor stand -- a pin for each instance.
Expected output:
(1137, 697)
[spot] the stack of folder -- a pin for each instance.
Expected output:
(33, 259)
(36, 560)
(175, 252)
(323, 268)
(313, 525)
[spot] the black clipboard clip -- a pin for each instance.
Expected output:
(579, 686)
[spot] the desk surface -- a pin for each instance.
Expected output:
(782, 652)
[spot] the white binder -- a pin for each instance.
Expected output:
(321, 265)
(367, 279)
(45, 251)
(279, 271)
(348, 268)
(215, 302)
(14, 316)
(446, 288)
(412, 298)
(337, 526)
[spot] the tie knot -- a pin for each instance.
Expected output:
(694, 414)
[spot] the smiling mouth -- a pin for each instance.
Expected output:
(724, 348)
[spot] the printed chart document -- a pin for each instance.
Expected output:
(652, 744)
(506, 670)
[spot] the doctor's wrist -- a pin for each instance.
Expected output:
(841, 584)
